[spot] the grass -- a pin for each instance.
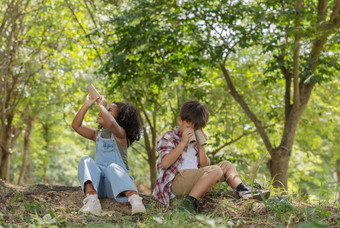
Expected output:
(217, 210)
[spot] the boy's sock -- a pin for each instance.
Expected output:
(245, 191)
(189, 204)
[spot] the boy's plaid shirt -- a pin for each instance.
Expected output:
(168, 142)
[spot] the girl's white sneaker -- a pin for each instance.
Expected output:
(136, 204)
(91, 205)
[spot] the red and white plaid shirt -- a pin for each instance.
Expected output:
(168, 142)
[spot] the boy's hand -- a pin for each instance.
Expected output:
(187, 133)
(205, 136)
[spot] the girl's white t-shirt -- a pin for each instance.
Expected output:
(190, 159)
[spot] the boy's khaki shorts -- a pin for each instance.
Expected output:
(185, 179)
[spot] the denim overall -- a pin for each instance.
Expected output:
(108, 172)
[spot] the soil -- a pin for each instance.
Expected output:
(24, 205)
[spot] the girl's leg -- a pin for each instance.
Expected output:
(89, 188)
(89, 178)
(120, 183)
(123, 189)
(129, 193)
(89, 175)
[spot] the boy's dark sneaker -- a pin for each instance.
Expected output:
(189, 204)
(244, 191)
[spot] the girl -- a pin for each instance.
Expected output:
(108, 175)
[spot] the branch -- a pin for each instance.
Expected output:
(141, 145)
(288, 78)
(91, 15)
(323, 28)
(140, 153)
(4, 148)
(88, 37)
(146, 116)
(246, 109)
(296, 59)
(213, 153)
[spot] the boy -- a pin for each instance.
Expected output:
(185, 169)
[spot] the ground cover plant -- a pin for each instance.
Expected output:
(58, 206)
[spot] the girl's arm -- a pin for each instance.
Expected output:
(111, 123)
(77, 123)
(204, 160)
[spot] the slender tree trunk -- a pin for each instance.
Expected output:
(152, 164)
(337, 163)
(5, 143)
(27, 142)
(44, 177)
(46, 128)
(149, 141)
(150, 146)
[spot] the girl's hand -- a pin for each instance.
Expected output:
(187, 133)
(89, 101)
(102, 101)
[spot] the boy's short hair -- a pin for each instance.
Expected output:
(195, 112)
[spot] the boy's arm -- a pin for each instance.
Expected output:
(173, 155)
(77, 123)
(204, 160)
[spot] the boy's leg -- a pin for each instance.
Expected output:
(233, 180)
(230, 174)
(205, 182)
(195, 182)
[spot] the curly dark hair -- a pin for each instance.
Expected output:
(128, 118)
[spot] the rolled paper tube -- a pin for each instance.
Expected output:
(200, 138)
(94, 93)
(192, 140)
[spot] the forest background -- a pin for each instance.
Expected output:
(268, 71)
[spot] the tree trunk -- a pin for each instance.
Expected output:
(278, 167)
(151, 151)
(27, 141)
(44, 177)
(337, 163)
(153, 173)
(5, 142)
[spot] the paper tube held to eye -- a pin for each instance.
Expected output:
(200, 138)
(192, 140)
(94, 93)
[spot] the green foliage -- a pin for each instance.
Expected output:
(159, 55)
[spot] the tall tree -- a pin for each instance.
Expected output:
(161, 40)
(40, 49)
(19, 62)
